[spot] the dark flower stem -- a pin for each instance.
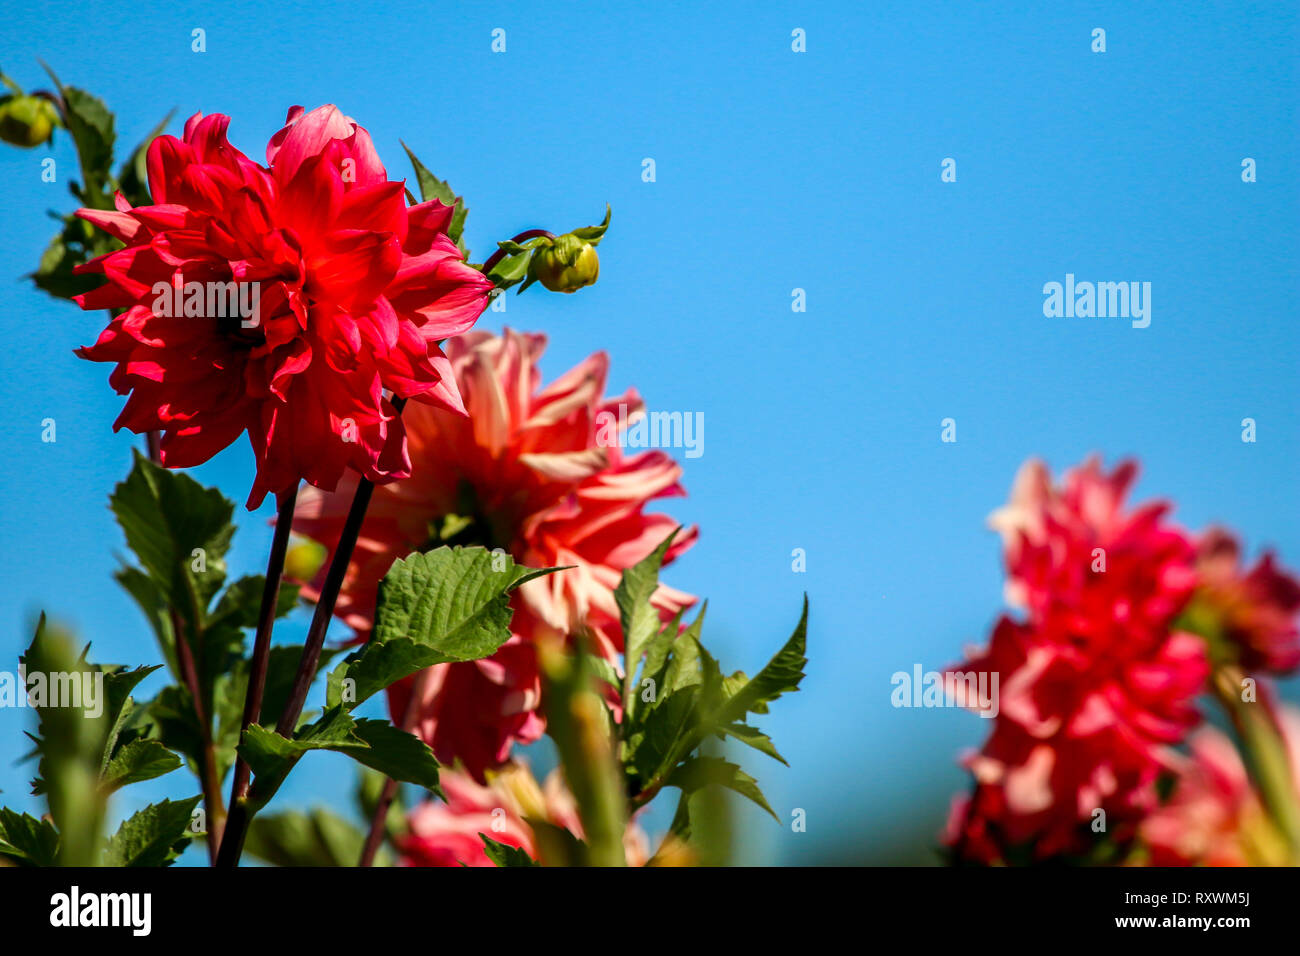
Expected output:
(208, 776)
(262, 642)
(522, 237)
(378, 823)
(232, 846)
(325, 610)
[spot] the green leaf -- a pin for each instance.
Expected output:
(173, 722)
(240, 604)
(375, 743)
(138, 760)
(752, 737)
(148, 597)
(557, 846)
(511, 270)
(640, 619)
(271, 756)
(693, 700)
(449, 604)
(685, 667)
(232, 690)
(661, 645)
(673, 661)
(603, 670)
(175, 526)
(366, 672)
(90, 124)
(395, 753)
(68, 249)
(431, 187)
(153, 837)
(503, 854)
(26, 840)
(700, 772)
(69, 741)
(781, 675)
(118, 703)
(317, 838)
(593, 234)
(668, 730)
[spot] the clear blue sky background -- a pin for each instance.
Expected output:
(776, 170)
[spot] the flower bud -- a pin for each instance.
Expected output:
(304, 559)
(27, 121)
(567, 264)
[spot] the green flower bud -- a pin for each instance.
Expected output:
(27, 121)
(567, 264)
(304, 559)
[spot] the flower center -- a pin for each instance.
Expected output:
(470, 526)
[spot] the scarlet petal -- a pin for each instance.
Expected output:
(274, 316)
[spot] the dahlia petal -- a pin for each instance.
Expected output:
(567, 466)
(305, 135)
(445, 394)
(425, 222)
(119, 225)
(165, 162)
(353, 267)
(438, 292)
(378, 207)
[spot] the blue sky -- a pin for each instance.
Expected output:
(775, 171)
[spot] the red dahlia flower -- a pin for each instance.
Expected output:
(447, 833)
(1082, 566)
(1096, 684)
(280, 300)
(524, 472)
(1076, 734)
(1254, 610)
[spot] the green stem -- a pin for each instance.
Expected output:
(579, 725)
(1265, 754)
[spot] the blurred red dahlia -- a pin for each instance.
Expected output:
(1085, 569)
(446, 833)
(280, 300)
(1075, 734)
(527, 473)
(1254, 611)
(1096, 684)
